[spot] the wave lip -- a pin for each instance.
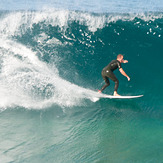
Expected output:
(17, 23)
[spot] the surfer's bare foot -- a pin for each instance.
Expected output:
(116, 94)
(99, 91)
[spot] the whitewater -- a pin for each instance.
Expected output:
(25, 80)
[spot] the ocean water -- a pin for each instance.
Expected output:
(52, 54)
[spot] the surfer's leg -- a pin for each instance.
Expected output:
(116, 81)
(116, 85)
(107, 82)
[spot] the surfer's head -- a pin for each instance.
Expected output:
(120, 57)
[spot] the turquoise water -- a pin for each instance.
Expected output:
(50, 71)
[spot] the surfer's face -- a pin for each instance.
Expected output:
(121, 60)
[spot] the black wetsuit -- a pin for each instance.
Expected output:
(107, 73)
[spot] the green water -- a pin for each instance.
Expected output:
(89, 134)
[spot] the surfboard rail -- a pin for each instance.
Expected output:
(119, 97)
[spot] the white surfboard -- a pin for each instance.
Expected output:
(119, 97)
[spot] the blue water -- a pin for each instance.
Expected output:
(84, 5)
(52, 54)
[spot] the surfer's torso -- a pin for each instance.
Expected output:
(113, 65)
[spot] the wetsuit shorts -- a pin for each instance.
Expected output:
(109, 74)
(106, 74)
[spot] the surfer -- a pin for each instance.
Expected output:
(107, 73)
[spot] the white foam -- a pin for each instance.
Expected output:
(16, 23)
(27, 82)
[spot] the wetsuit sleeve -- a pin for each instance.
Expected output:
(119, 65)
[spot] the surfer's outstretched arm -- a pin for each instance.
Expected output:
(124, 74)
(124, 61)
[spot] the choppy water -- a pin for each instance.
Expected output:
(50, 69)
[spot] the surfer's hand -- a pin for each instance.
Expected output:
(128, 78)
(125, 61)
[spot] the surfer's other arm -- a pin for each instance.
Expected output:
(124, 74)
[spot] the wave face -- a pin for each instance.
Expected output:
(50, 70)
(50, 57)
